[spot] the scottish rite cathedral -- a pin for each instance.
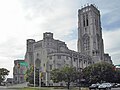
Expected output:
(49, 53)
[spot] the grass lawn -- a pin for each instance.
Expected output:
(51, 88)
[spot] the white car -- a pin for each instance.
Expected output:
(94, 86)
(105, 86)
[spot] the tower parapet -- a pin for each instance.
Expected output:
(88, 7)
(48, 35)
(30, 43)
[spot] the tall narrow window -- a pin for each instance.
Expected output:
(84, 20)
(96, 22)
(87, 19)
(50, 67)
(85, 29)
(84, 23)
(86, 42)
(98, 41)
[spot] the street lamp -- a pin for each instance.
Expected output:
(34, 75)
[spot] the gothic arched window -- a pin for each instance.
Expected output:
(98, 41)
(84, 20)
(37, 63)
(87, 20)
(86, 42)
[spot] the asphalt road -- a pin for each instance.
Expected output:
(115, 89)
(112, 89)
(5, 88)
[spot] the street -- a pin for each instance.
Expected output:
(115, 89)
(11, 87)
(111, 89)
(5, 88)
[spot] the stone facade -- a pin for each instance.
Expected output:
(49, 54)
(90, 40)
(107, 58)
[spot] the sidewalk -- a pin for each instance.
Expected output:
(2, 87)
(18, 85)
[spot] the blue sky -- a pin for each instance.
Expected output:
(25, 19)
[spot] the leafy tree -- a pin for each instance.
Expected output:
(99, 72)
(67, 74)
(29, 76)
(56, 75)
(3, 73)
(117, 76)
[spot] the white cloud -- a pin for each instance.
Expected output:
(112, 44)
(72, 44)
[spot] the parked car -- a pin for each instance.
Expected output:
(105, 86)
(94, 86)
(116, 85)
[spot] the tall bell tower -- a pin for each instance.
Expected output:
(90, 40)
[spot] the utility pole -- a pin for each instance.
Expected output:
(34, 73)
(46, 78)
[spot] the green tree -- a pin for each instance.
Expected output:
(99, 72)
(56, 75)
(3, 73)
(117, 76)
(29, 76)
(67, 74)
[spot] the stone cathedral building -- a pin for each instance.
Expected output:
(49, 53)
(90, 40)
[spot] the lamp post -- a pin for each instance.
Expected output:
(34, 73)
(39, 77)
